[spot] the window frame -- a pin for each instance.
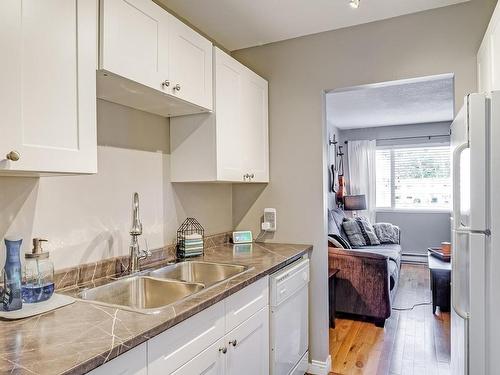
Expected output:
(393, 208)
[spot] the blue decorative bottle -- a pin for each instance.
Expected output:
(11, 298)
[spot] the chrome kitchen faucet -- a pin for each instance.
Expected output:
(136, 254)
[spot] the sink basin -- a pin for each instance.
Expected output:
(206, 273)
(140, 293)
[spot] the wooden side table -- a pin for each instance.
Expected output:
(332, 281)
(440, 283)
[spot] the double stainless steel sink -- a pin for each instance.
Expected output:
(151, 291)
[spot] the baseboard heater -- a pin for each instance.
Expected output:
(416, 258)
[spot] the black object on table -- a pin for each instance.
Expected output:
(440, 283)
(332, 280)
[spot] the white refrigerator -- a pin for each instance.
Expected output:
(475, 326)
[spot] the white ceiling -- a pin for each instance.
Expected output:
(410, 101)
(237, 24)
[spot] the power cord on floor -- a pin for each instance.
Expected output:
(411, 308)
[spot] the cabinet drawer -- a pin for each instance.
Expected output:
(245, 303)
(132, 362)
(170, 350)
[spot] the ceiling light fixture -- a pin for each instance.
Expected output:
(354, 4)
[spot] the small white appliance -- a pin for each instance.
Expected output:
(269, 222)
(289, 319)
(242, 236)
(475, 327)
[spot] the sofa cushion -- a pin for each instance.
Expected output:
(393, 273)
(392, 251)
(386, 232)
(335, 219)
(360, 232)
(338, 241)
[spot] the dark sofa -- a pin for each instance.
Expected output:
(368, 277)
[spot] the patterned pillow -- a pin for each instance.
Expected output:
(338, 242)
(386, 232)
(360, 232)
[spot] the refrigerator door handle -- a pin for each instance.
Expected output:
(454, 282)
(457, 152)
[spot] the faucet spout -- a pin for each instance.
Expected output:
(136, 254)
(136, 229)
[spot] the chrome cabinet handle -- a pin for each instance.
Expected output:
(233, 343)
(177, 87)
(165, 83)
(252, 175)
(223, 350)
(13, 155)
(246, 176)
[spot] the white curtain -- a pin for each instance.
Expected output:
(361, 161)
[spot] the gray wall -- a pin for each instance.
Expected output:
(443, 40)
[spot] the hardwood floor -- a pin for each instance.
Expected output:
(411, 343)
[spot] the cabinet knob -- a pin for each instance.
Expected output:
(234, 342)
(177, 87)
(245, 176)
(13, 155)
(252, 175)
(223, 350)
(165, 83)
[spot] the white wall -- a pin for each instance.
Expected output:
(300, 70)
(87, 218)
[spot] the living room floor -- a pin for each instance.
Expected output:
(412, 342)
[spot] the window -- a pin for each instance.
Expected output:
(413, 178)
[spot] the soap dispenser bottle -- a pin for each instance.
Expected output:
(38, 276)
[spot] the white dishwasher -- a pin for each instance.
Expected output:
(289, 319)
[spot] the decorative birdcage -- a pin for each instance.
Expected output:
(190, 239)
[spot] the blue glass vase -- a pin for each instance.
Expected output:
(11, 293)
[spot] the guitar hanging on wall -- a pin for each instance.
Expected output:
(341, 189)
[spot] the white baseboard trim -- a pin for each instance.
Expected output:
(319, 367)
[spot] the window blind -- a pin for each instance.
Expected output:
(414, 177)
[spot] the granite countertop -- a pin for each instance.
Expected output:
(78, 338)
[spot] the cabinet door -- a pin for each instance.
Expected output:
(484, 78)
(173, 348)
(229, 139)
(134, 41)
(132, 362)
(248, 346)
(48, 90)
(254, 127)
(211, 361)
(190, 65)
(494, 52)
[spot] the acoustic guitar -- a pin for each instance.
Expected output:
(341, 189)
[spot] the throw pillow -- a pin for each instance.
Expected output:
(337, 241)
(386, 232)
(360, 232)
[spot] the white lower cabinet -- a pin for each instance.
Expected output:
(208, 362)
(248, 346)
(133, 362)
(228, 338)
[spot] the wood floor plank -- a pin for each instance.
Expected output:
(413, 341)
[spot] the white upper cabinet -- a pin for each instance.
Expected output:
(232, 144)
(48, 86)
(151, 61)
(134, 41)
(190, 65)
(488, 57)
